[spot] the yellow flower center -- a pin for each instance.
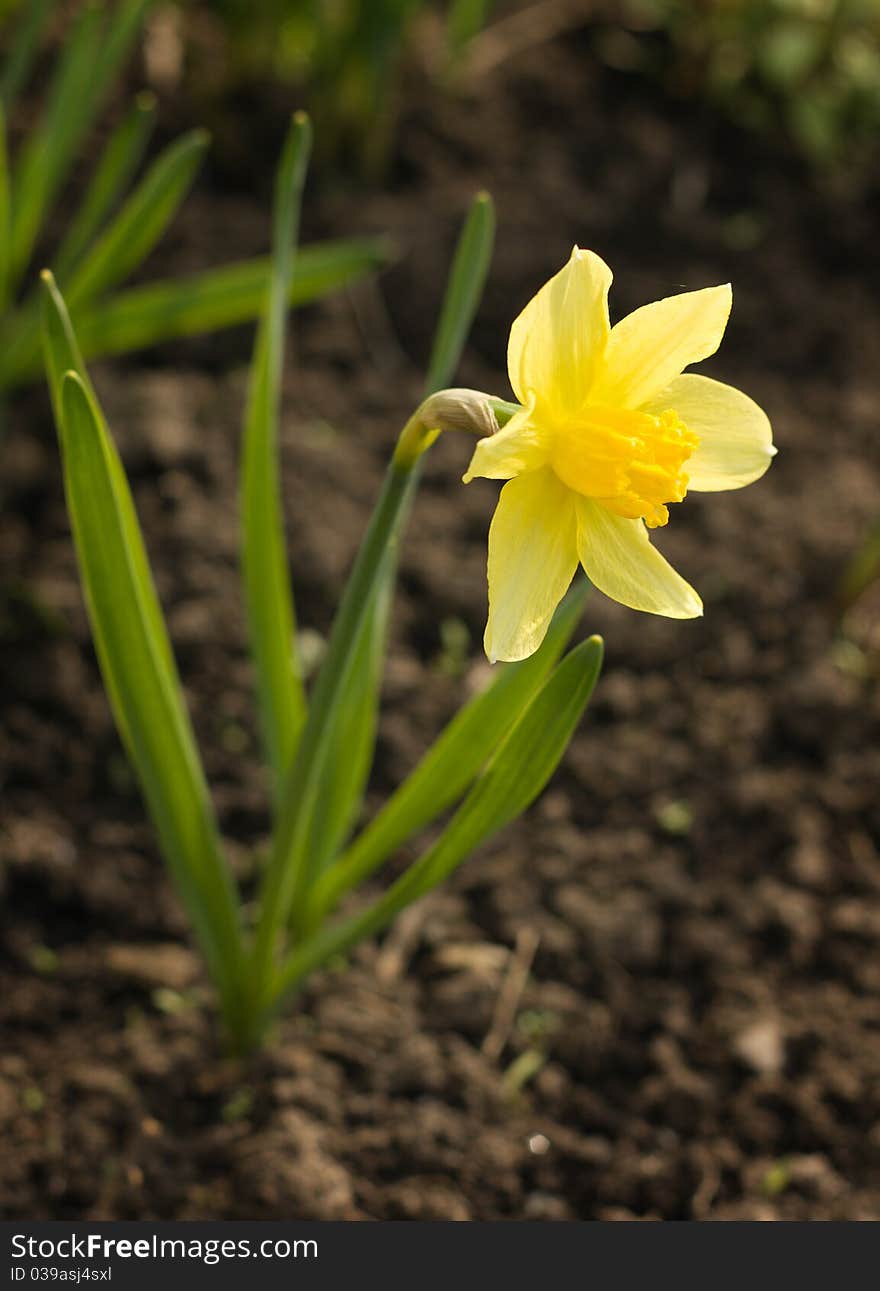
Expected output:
(631, 462)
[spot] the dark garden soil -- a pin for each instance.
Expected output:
(700, 885)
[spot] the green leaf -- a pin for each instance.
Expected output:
(137, 663)
(141, 222)
(118, 163)
(86, 69)
(349, 737)
(25, 42)
(60, 348)
(62, 355)
(218, 298)
(126, 21)
(355, 741)
(341, 791)
(43, 164)
(290, 867)
(451, 763)
(464, 289)
(268, 596)
(191, 306)
(515, 776)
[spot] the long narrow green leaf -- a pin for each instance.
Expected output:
(25, 42)
(120, 159)
(43, 163)
(138, 670)
(268, 595)
(62, 355)
(124, 244)
(86, 69)
(218, 298)
(289, 865)
(125, 22)
(190, 306)
(451, 763)
(464, 290)
(513, 779)
(141, 222)
(341, 791)
(148, 706)
(352, 739)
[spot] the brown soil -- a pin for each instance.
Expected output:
(703, 875)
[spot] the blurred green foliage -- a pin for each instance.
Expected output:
(347, 57)
(95, 219)
(811, 67)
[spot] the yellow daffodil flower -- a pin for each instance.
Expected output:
(608, 436)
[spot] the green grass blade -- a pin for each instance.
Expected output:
(62, 355)
(290, 866)
(218, 298)
(353, 737)
(85, 71)
(60, 349)
(205, 302)
(513, 779)
(25, 42)
(118, 164)
(464, 290)
(137, 662)
(141, 222)
(268, 596)
(122, 30)
(450, 765)
(44, 161)
(144, 695)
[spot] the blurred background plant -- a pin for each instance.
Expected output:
(346, 59)
(810, 68)
(111, 223)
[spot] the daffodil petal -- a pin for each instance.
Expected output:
(621, 561)
(736, 441)
(519, 446)
(654, 344)
(532, 559)
(557, 341)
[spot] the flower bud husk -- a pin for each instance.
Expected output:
(456, 409)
